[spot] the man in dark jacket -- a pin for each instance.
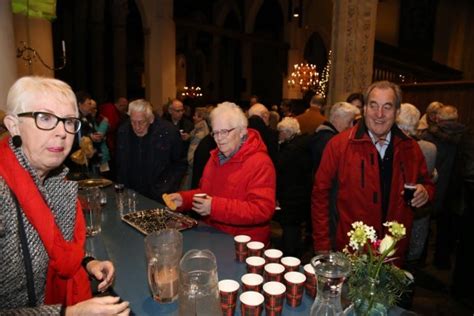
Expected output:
(149, 153)
(294, 180)
(259, 119)
(370, 163)
(446, 134)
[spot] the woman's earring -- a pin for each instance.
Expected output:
(17, 141)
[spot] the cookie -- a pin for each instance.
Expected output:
(169, 202)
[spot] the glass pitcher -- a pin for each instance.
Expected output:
(331, 269)
(199, 293)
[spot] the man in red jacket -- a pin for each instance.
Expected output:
(239, 179)
(116, 114)
(367, 166)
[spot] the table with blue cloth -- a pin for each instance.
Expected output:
(124, 246)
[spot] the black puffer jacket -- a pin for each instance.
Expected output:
(446, 135)
(318, 142)
(294, 180)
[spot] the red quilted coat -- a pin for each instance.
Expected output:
(351, 159)
(242, 190)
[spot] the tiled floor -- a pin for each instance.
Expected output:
(432, 287)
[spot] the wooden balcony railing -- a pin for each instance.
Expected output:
(394, 64)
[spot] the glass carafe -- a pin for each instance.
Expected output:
(199, 293)
(331, 269)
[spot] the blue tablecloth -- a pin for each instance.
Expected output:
(124, 246)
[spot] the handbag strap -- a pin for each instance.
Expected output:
(30, 285)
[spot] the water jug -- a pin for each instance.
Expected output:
(199, 293)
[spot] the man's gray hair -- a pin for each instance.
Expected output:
(232, 112)
(384, 85)
(342, 109)
(290, 125)
(25, 93)
(408, 118)
(141, 105)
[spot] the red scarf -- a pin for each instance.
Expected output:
(67, 282)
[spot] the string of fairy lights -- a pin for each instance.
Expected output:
(324, 81)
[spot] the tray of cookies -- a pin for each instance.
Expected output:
(148, 221)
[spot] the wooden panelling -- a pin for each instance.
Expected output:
(457, 93)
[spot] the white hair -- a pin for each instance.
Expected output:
(141, 105)
(26, 91)
(408, 118)
(342, 109)
(230, 111)
(290, 125)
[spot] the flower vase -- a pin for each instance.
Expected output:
(368, 306)
(361, 308)
(331, 270)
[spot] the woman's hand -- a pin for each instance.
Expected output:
(176, 198)
(103, 271)
(202, 206)
(107, 305)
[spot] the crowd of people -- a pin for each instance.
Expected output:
(315, 173)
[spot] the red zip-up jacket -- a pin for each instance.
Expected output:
(242, 190)
(350, 161)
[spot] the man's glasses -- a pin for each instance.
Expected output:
(222, 132)
(48, 121)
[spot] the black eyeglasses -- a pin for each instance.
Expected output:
(48, 121)
(222, 132)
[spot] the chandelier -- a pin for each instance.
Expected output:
(192, 92)
(305, 76)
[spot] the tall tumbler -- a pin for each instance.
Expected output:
(163, 252)
(91, 207)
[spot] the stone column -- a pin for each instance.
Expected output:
(120, 12)
(37, 34)
(160, 50)
(7, 47)
(353, 36)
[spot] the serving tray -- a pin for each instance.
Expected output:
(148, 221)
(89, 183)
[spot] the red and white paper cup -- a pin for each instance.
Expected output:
(291, 263)
(274, 293)
(240, 242)
(255, 264)
(273, 272)
(294, 287)
(252, 282)
(228, 290)
(311, 283)
(251, 303)
(272, 255)
(255, 248)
